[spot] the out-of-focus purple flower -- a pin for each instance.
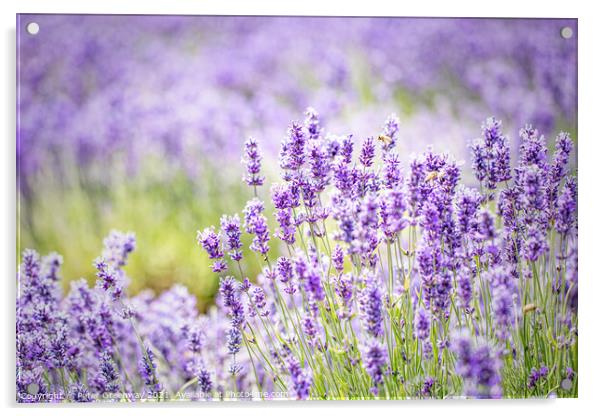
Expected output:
(465, 288)
(565, 215)
(344, 290)
(301, 379)
(338, 258)
(107, 380)
(422, 324)
(535, 244)
(536, 375)
(312, 124)
(195, 339)
(252, 160)
(234, 340)
(309, 329)
(259, 302)
(485, 225)
(371, 305)
(79, 393)
(313, 283)
(319, 166)
(559, 166)
(427, 386)
(374, 358)
(478, 365)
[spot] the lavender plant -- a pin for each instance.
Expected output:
(379, 283)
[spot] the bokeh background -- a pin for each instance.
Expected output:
(137, 122)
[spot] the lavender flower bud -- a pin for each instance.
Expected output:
(234, 338)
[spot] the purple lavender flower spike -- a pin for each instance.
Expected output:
(478, 365)
(234, 338)
(205, 383)
(559, 166)
(108, 278)
(367, 152)
(212, 244)
(536, 375)
(147, 369)
(371, 305)
(392, 172)
(338, 258)
(292, 152)
(390, 130)
(256, 223)
(427, 386)
(422, 324)
(491, 155)
(301, 379)
(312, 124)
(319, 166)
(117, 247)
(566, 211)
(374, 358)
(107, 380)
(252, 160)
(79, 393)
(465, 288)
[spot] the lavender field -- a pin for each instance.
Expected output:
(386, 208)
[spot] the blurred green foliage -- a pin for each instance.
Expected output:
(164, 209)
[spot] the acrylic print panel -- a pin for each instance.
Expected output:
(387, 208)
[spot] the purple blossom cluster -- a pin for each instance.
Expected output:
(94, 106)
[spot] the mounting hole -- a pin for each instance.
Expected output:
(32, 28)
(566, 32)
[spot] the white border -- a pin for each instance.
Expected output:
(590, 158)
